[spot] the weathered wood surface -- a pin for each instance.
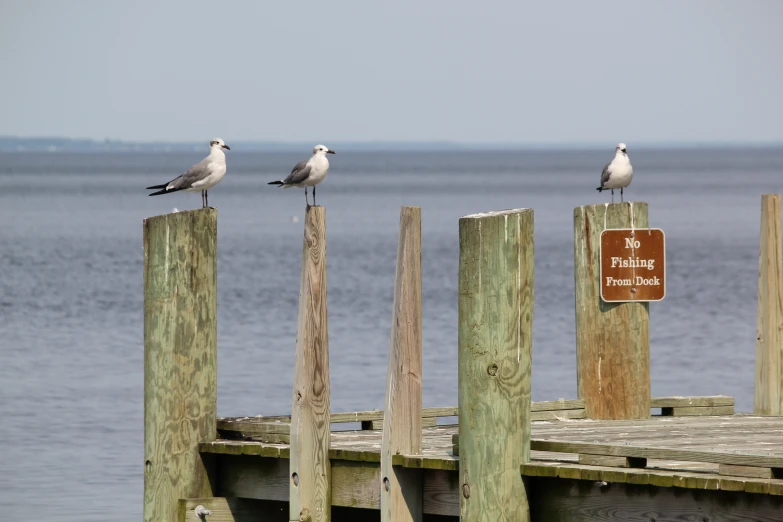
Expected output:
(495, 313)
(724, 434)
(768, 397)
(180, 357)
(749, 471)
(681, 402)
(232, 510)
(400, 489)
(694, 411)
(579, 501)
(613, 462)
(310, 468)
(612, 339)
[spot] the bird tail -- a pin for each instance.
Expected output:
(278, 183)
(164, 191)
(599, 189)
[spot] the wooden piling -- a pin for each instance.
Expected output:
(495, 341)
(612, 339)
(401, 488)
(310, 485)
(180, 357)
(768, 396)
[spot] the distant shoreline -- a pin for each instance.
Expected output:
(54, 144)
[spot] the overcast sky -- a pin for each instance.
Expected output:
(457, 70)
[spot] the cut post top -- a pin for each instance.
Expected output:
(182, 213)
(497, 213)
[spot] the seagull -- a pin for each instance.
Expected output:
(309, 172)
(200, 177)
(618, 173)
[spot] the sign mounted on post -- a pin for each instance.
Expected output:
(633, 264)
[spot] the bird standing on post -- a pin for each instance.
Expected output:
(308, 173)
(618, 173)
(200, 177)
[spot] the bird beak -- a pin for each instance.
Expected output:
(226, 147)
(330, 152)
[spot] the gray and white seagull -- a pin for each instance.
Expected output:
(618, 173)
(309, 172)
(200, 177)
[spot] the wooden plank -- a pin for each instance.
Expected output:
(768, 395)
(612, 339)
(254, 477)
(180, 355)
(400, 488)
(356, 484)
(613, 462)
(310, 439)
(495, 313)
(426, 422)
(557, 415)
(696, 411)
(441, 492)
(717, 457)
(560, 404)
(561, 500)
(233, 510)
(750, 471)
(678, 402)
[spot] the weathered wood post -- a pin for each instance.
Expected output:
(768, 397)
(612, 339)
(180, 357)
(310, 486)
(495, 341)
(401, 488)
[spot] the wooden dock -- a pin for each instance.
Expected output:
(614, 453)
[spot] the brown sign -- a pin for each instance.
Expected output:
(633, 264)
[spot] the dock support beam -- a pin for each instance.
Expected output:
(495, 341)
(768, 397)
(612, 339)
(401, 488)
(310, 484)
(180, 357)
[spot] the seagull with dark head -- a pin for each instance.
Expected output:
(309, 172)
(200, 177)
(617, 173)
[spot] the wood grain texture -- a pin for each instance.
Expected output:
(310, 495)
(400, 489)
(750, 471)
(495, 339)
(695, 411)
(614, 462)
(180, 357)
(232, 510)
(612, 339)
(562, 500)
(768, 396)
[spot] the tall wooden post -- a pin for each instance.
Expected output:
(612, 339)
(401, 488)
(180, 357)
(310, 486)
(768, 397)
(495, 341)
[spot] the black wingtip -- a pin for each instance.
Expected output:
(158, 193)
(157, 186)
(599, 189)
(280, 182)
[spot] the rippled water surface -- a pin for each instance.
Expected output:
(71, 346)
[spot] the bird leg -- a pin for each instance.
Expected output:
(206, 197)
(314, 196)
(621, 194)
(612, 195)
(203, 204)
(307, 200)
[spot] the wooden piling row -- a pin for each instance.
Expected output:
(495, 313)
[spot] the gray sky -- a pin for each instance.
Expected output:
(458, 70)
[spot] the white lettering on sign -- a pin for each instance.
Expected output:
(630, 262)
(630, 243)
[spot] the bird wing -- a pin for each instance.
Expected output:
(299, 173)
(194, 174)
(606, 174)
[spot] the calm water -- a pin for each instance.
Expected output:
(71, 345)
